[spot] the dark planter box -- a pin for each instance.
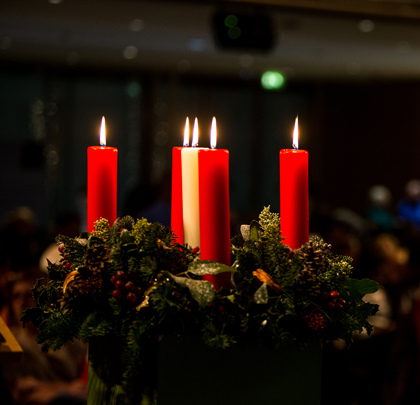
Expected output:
(191, 373)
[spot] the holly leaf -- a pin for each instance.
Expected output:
(357, 289)
(55, 271)
(202, 291)
(38, 292)
(261, 295)
(254, 234)
(34, 315)
(201, 267)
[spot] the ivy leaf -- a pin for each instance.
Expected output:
(202, 291)
(201, 267)
(261, 295)
(359, 288)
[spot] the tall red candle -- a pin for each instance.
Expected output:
(102, 182)
(176, 199)
(294, 195)
(213, 167)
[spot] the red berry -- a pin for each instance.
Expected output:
(68, 266)
(195, 250)
(338, 306)
(131, 298)
(129, 286)
(61, 247)
(122, 275)
(334, 294)
(119, 285)
(116, 294)
(331, 305)
(114, 279)
(340, 301)
(138, 290)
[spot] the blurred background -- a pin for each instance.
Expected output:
(349, 68)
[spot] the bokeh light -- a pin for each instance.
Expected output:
(272, 80)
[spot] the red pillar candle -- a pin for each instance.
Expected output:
(176, 199)
(213, 169)
(177, 223)
(102, 182)
(294, 195)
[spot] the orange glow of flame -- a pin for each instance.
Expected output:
(195, 133)
(296, 135)
(102, 133)
(187, 132)
(213, 134)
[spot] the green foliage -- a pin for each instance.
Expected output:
(74, 249)
(102, 230)
(140, 229)
(359, 288)
(58, 329)
(95, 325)
(270, 224)
(277, 295)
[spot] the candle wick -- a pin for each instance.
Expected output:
(295, 147)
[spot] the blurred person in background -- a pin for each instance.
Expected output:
(379, 212)
(65, 223)
(20, 246)
(409, 206)
(40, 378)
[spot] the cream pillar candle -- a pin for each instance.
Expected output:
(190, 196)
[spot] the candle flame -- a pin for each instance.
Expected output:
(187, 133)
(102, 133)
(213, 134)
(296, 135)
(195, 134)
